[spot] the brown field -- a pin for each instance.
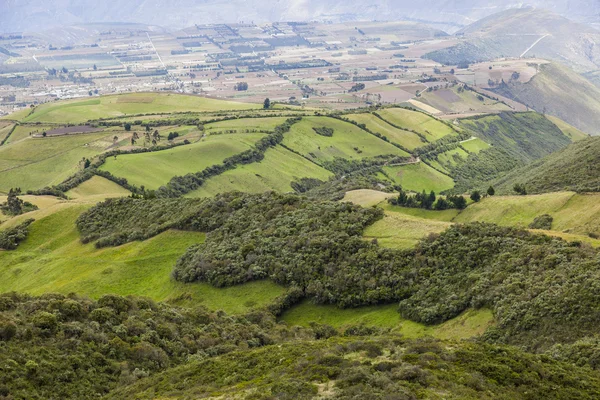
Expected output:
(72, 129)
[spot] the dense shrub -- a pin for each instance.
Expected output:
(11, 237)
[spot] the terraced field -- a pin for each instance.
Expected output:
(426, 125)
(276, 171)
(348, 141)
(156, 169)
(407, 139)
(77, 111)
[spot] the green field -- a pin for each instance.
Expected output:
(276, 171)
(156, 169)
(445, 215)
(452, 157)
(35, 163)
(420, 122)
(348, 141)
(419, 177)
(17, 116)
(572, 213)
(573, 133)
(243, 124)
(367, 197)
(475, 145)
(52, 259)
(126, 104)
(23, 131)
(470, 324)
(401, 231)
(97, 188)
(405, 138)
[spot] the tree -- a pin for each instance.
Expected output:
(520, 189)
(491, 191)
(156, 135)
(267, 104)
(44, 134)
(127, 126)
(87, 163)
(476, 196)
(95, 67)
(115, 139)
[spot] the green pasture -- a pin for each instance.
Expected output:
(407, 139)
(426, 125)
(419, 177)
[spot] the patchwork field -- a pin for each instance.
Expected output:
(348, 141)
(366, 197)
(126, 104)
(276, 171)
(35, 163)
(405, 138)
(140, 268)
(419, 177)
(156, 169)
(475, 145)
(426, 125)
(453, 101)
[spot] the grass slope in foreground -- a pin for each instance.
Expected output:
(156, 169)
(276, 171)
(52, 259)
(348, 141)
(77, 111)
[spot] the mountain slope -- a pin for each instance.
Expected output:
(559, 91)
(575, 168)
(523, 33)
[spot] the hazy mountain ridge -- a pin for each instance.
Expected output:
(34, 15)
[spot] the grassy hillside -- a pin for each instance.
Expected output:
(75, 111)
(516, 140)
(139, 268)
(451, 100)
(422, 123)
(552, 91)
(405, 138)
(244, 124)
(279, 168)
(419, 177)
(348, 141)
(97, 188)
(35, 163)
(575, 168)
(156, 169)
(573, 133)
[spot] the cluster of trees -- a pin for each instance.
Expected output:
(241, 86)
(11, 237)
(520, 189)
(318, 248)
(323, 131)
(428, 201)
(357, 87)
(389, 367)
(16, 206)
(69, 347)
